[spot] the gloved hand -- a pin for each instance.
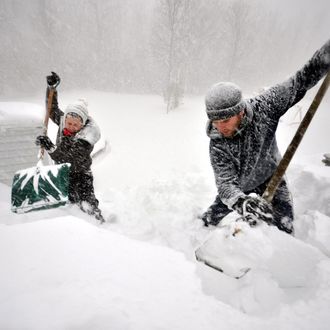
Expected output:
(254, 208)
(53, 80)
(45, 142)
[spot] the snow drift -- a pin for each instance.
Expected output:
(62, 270)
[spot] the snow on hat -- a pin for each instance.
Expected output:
(79, 108)
(224, 100)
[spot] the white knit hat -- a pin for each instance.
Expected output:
(79, 108)
(224, 100)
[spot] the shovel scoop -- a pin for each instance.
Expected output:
(40, 187)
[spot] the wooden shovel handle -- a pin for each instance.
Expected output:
(47, 115)
(290, 151)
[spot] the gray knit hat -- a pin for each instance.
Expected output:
(224, 100)
(79, 108)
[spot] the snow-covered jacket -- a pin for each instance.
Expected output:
(248, 159)
(75, 149)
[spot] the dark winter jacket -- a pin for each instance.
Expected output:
(248, 159)
(75, 149)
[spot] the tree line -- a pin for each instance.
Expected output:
(165, 47)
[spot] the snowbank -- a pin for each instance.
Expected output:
(77, 275)
(21, 113)
(63, 271)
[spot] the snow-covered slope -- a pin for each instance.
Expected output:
(61, 270)
(65, 273)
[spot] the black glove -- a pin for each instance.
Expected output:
(254, 209)
(53, 80)
(45, 142)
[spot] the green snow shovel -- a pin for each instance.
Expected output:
(41, 187)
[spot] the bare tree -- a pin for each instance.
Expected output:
(171, 48)
(237, 25)
(106, 44)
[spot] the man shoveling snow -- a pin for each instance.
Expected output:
(243, 147)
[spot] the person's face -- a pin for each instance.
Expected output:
(73, 124)
(228, 127)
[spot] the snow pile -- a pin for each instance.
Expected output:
(275, 264)
(263, 248)
(21, 113)
(94, 278)
(63, 271)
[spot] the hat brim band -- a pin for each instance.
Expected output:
(215, 114)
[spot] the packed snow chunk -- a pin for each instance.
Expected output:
(311, 189)
(238, 247)
(259, 294)
(314, 228)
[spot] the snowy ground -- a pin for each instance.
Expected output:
(60, 270)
